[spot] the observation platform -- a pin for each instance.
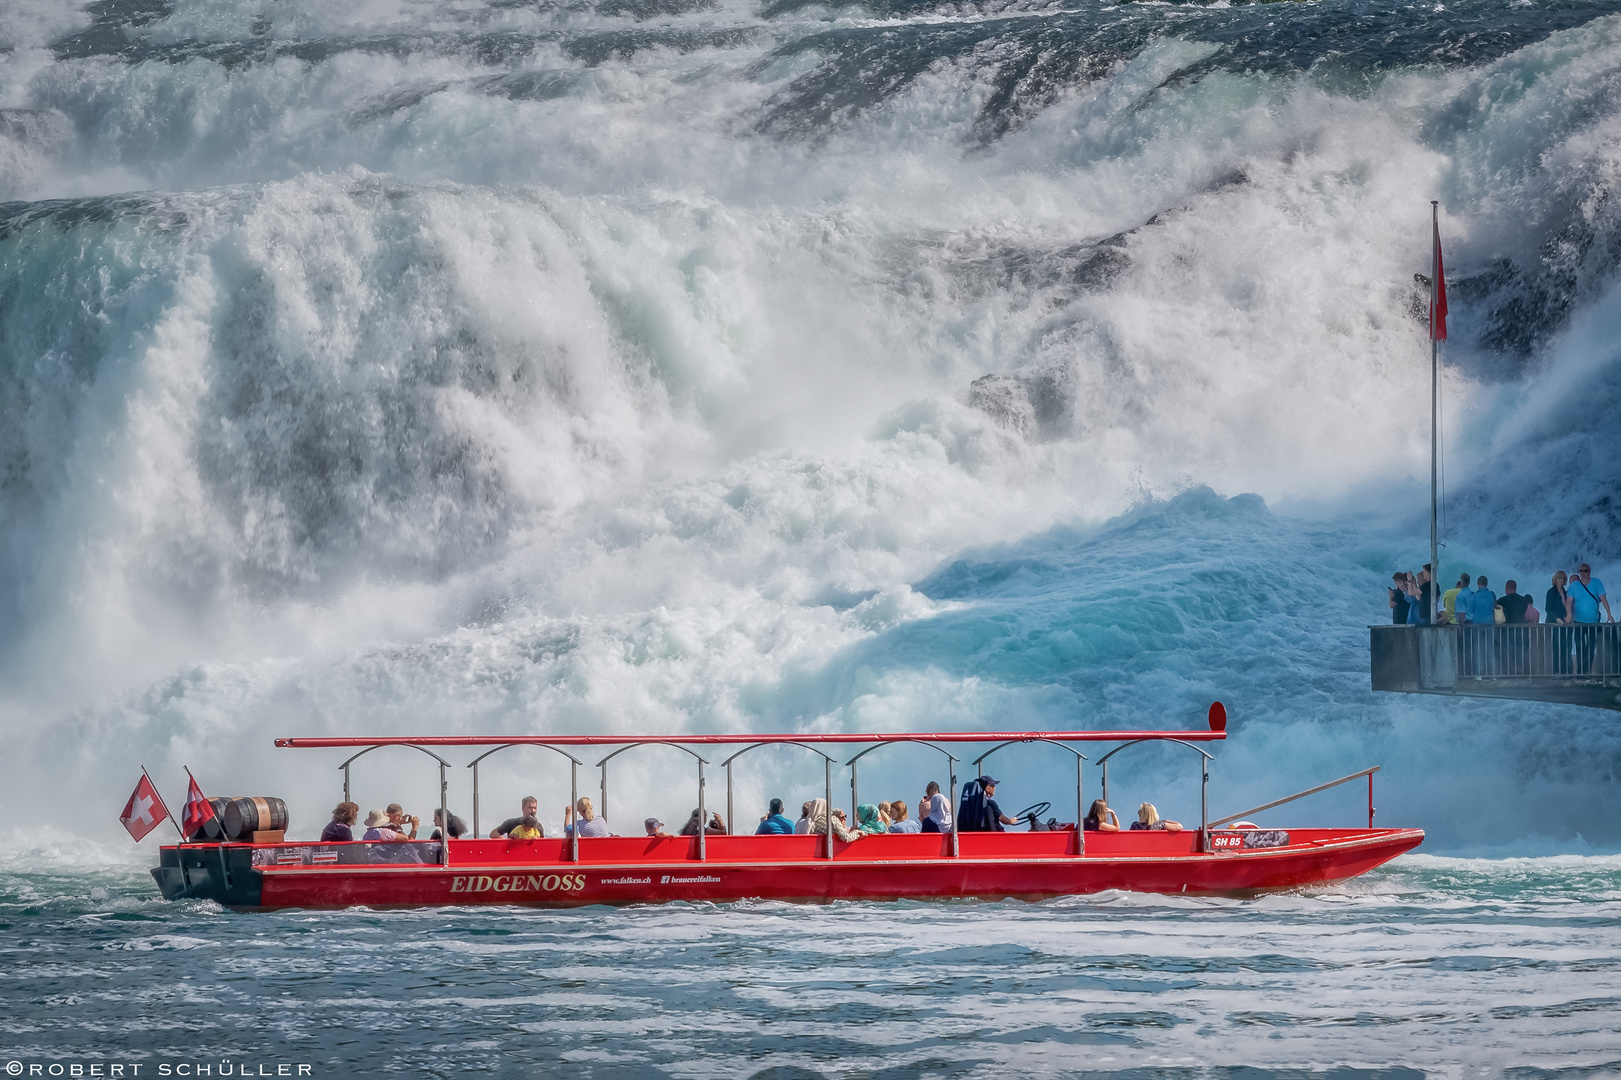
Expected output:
(1566, 665)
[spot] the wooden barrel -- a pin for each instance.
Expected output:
(244, 817)
(214, 827)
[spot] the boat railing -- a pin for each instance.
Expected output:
(1302, 794)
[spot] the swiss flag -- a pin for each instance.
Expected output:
(198, 809)
(1438, 291)
(144, 810)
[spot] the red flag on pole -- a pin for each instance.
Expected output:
(1438, 290)
(144, 810)
(198, 809)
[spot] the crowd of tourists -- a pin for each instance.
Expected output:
(1572, 599)
(1572, 609)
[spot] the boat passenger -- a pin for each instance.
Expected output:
(870, 820)
(1148, 818)
(899, 822)
(655, 827)
(979, 811)
(936, 817)
(528, 828)
(841, 827)
(458, 827)
(803, 825)
(338, 829)
(380, 829)
(816, 813)
(398, 818)
(590, 824)
(716, 826)
(529, 805)
(774, 823)
(1100, 818)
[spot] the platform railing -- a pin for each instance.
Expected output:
(1540, 651)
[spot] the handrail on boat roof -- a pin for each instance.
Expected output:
(328, 741)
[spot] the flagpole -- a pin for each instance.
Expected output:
(1435, 398)
(222, 868)
(166, 811)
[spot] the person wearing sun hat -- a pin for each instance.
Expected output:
(378, 827)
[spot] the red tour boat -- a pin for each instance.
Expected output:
(1217, 857)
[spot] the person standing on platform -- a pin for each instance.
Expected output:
(1482, 604)
(1426, 597)
(1398, 599)
(1586, 594)
(1557, 614)
(1449, 601)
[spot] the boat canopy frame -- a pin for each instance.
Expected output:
(1080, 801)
(1204, 782)
(444, 792)
(749, 742)
(573, 787)
(703, 813)
(951, 768)
(827, 775)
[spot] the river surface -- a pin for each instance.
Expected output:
(1429, 967)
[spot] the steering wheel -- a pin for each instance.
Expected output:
(1032, 812)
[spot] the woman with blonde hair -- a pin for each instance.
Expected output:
(1148, 818)
(590, 824)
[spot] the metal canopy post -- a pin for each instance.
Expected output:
(855, 798)
(444, 816)
(703, 818)
(952, 768)
(1080, 822)
(827, 816)
(574, 806)
(602, 791)
(731, 813)
(1204, 800)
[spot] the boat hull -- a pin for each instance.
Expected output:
(627, 870)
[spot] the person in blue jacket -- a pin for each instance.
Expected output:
(774, 823)
(1482, 604)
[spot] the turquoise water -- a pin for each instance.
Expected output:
(1428, 967)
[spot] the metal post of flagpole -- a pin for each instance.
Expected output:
(1435, 398)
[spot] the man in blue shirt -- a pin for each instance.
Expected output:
(1586, 594)
(775, 823)
(1482, 603)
